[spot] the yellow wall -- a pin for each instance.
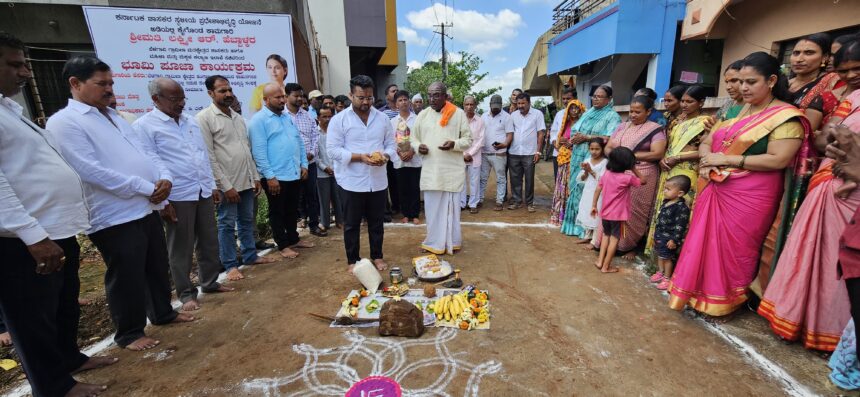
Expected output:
(390, 56)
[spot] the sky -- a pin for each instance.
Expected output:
(502, 33)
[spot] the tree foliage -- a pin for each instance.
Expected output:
(462, 77)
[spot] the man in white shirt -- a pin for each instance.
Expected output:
(236, 176)
(528, 128)
(408, 173)
(567, 95)
(441, 135)
(42, 209)
(495, 156)
(473, 167)
(326, 185)
(360, 142)
(189, 215)
(125, 186)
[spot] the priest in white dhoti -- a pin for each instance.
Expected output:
(441, 135)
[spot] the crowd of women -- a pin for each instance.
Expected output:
(768, 209)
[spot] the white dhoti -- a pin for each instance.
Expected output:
(442, 211)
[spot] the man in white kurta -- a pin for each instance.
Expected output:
(441, 134)
(473, 168)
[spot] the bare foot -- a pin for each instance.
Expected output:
(629, 256)
(610, 269)
(350, 268)
(221, 289)
(289, 253)
(143, 343)
(304, 244)
(416, 221)
(582, 241)
(261, 260)
(85, 390)
(380, 264)
(5, 339)
(183, 318)
(96, 362)
(84, 302)
(234, 274)
(598, 265)
(404, 220)
(190, 306)
(588, 247)
(338, 225)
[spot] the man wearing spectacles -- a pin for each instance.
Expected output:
(360, 142)
(189, 215)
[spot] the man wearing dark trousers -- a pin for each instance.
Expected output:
(282, 162)
(360, 142)
(189, 215)
(307, 126)
(42, 209)
(125, 186)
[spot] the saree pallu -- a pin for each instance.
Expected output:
(559, 197)
(719, 258)
(684, 134)
(796, 182)
(599, 122)
(641, 197)
(806, 299)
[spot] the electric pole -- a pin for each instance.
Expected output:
(442, 27)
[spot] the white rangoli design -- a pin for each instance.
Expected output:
(387, 357)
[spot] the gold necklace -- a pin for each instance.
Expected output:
(729, 140)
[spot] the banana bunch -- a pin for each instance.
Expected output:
(450, 307)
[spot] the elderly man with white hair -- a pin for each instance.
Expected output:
(189, 215)
(417, 103)
(472, 200)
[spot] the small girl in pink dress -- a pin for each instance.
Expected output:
(621, 176)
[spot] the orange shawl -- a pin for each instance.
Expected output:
(447, 111)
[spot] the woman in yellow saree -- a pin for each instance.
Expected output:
(682, 155)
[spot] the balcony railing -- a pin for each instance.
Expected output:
(569, 12)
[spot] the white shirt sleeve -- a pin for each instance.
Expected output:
(78, 151)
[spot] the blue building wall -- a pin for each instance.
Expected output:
(623, 27)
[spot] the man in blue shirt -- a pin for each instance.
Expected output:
(282, 162)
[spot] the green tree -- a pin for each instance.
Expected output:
(462, 77)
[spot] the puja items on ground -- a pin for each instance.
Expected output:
(401, 318)
(367, 275)
(430, 268)
(467, 309)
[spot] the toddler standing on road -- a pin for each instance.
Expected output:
(671, 228)
(615, 185)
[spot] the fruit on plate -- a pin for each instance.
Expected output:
(355, 300)
(364, 292)
(465, 325)
(353, 312)
(430, 291)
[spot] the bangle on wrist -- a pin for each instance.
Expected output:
(743, 160)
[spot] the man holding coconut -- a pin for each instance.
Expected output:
(360, 143)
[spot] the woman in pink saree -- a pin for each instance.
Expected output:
(741, 182)
(647, 140)
(806, 299)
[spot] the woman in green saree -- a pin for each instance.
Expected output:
(599, 121)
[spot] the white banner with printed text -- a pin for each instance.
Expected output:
(139, 44)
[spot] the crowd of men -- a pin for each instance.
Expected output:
(154, 192)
